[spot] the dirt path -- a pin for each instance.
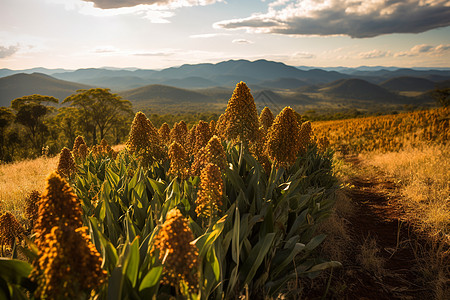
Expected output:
(388, 269)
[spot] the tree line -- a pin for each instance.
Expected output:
(33, 124)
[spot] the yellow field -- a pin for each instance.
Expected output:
(19, 179)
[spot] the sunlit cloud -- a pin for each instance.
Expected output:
(425, 50)
(208, 35)
(374, 54)
(355, 18)
(241, 41)
(168, 4)
(6, 51)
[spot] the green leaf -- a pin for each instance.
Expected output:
(115, 284)
(255, 258)
(314, 242)
(151, 278)
(324, 266)
(14, 271)
(131, 264)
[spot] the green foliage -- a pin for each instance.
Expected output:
(100, 109)
(442, 96)
(262, 236)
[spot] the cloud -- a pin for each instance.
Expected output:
(355, 18)
(241, 41)
(303, 55)
(152, 54)
(108, 4)
(8, 51)
(207, 35)
(374, 54)
(105, 49)
(425, 50)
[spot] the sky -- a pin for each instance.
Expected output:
(155, 34)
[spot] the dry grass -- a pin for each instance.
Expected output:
(369, 257)
(422, 175)
(20, 178)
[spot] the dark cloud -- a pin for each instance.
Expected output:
(8, 51)
(107, 4)
(358, 19)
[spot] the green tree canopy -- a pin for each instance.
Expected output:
(100, 108)
(442, 96)
(31, 112)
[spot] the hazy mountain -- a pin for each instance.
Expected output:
(163, 94)
(408, 84)
(193, 82)
(358, 89)
(18, 85)
(8, 72)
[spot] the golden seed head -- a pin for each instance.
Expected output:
(179, 161)
(144, 141)
(305, 136)
(59, 206)
(240, 122)
(10, 229)
(323, 143)
(213, 152)
(176, 251)
(209, 195)
(283, 138)
(179, 133)
(32, 206)
(164, 133)
(79, 141)
(212, 127)
(266, 118)
(202, 135)
(82, 151)
(66, 164)
(67, 264)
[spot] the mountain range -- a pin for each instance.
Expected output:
(271, 82)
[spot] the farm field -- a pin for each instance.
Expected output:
(233, 209)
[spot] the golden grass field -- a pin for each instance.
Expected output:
(20, 178)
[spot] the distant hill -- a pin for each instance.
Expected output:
(18, 85)
(358, 89)
(408, 84)
(163, 94)
(284, 83)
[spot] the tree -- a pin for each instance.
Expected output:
(31, 113)
(6, 118)
(442, 96)
(99, 108)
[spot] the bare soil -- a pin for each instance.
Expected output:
(379, 216)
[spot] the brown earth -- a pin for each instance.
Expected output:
(377, 216)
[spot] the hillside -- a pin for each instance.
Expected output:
(358, 89)
(162, 94)
(406, 83)
(18, 85)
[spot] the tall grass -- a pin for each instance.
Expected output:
(422, 175)
(20, 178)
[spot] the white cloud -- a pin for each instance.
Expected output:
(303, 55)
(8, 51)
(241, 41)
(425, 50)
(355, 18)
(207, 35)
(167, 4)
(157, 11)
(374, 54)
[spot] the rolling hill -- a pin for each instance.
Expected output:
(18, 85)
(163, 94)
(408, 84)
(358, 89)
